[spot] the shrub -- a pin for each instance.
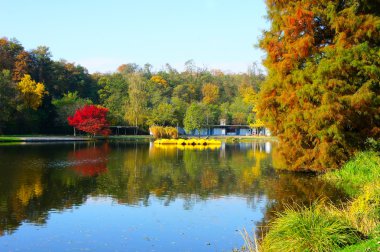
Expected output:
(157, 131)
(311, 228)
(171, 132)
(164, 132)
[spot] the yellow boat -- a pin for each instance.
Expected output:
(183, 142)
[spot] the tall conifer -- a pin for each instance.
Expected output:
(322, 94)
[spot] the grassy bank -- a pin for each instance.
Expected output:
(10, 139)
(354, 226)
(127, 138)
(40, 138)
(363, 169)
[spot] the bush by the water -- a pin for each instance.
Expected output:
(164, 132)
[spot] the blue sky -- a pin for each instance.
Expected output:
(101, 35)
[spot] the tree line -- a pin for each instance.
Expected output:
(38, 94)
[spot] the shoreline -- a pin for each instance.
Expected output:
(47, 138)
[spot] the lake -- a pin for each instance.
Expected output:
(130, 196)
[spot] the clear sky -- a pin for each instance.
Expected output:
(101, 35)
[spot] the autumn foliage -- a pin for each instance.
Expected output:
(322, 94)
(164, 132)
(31, 92)
(210, 93)
(91, 119)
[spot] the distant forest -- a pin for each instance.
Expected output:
(37, 93)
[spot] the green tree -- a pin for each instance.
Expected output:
(211, 113)
(67, 105)
(163, 115)
(180, 107)
(225, 112)
(322, 95)
(195, 118)
(69, 77)
(186, 92)
(239, 111)
(7, 97)
(137, 106)
(113, 95)
(41, 64)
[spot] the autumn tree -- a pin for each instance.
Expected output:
(9, 49)
(22, 65)
(322, 95)
(159, 80)
(210, 93)
(31, 92)
(91, 119)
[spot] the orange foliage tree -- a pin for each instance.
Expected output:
(322, 94)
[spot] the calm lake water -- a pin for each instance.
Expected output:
(137, 197)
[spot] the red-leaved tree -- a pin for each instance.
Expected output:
(91, 119)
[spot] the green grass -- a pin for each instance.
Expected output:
(354, 226)
(10, 139)
(311, 228)
(370, 245)
(364, 168)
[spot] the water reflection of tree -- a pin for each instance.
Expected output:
(131, 174)
(136, 173)
(295, 190)
(90, 161)
(31, 188)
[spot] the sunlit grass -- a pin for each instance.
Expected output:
(312, 228)
(361, 170)
(364, 211)
(250, 242)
